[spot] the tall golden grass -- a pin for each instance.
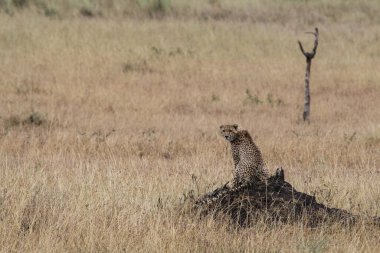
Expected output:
(107, 122)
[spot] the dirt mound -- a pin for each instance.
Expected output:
(275, 202)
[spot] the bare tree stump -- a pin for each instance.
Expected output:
(275, 202)
(309, 56)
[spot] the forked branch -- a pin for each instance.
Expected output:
(309, 56)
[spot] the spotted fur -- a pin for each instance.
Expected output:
(249, 164)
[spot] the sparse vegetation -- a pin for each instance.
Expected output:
(214, 98)
(137, 67)
(254, 99)
(273, 101)
(122, 147)
(35, 118)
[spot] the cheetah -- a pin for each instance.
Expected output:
(249, 164)
(248, 161)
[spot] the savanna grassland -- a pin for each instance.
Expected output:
(109, 116)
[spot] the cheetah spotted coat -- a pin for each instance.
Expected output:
(249, 164)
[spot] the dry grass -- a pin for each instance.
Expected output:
(130, 110)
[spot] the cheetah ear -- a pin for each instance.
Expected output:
(235, 126)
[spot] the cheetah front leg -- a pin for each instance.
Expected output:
(239, 177)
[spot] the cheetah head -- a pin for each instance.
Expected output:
(230, 132)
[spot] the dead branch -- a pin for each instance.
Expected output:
(309, 56)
